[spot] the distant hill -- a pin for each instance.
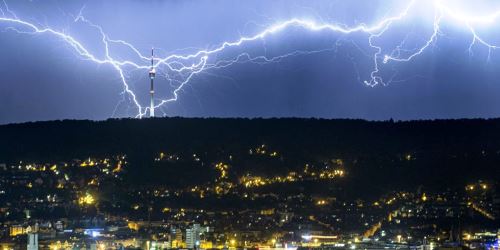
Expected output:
(441, 152)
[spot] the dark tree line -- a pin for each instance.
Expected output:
(376, 154)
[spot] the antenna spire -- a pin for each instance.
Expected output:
(152, 75)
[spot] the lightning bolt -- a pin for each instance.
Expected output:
(180, 69)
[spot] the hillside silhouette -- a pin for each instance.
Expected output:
(384, 155)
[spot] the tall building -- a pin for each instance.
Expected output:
(193, 236)
(152, 74)
(32, 241)
(175, 237)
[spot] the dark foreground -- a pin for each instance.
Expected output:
(247, 183)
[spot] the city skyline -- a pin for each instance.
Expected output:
(249, 125)
(336, 184)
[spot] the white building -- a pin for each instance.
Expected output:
(193, 236)
(32, 241)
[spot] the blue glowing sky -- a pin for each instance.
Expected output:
(314, 73)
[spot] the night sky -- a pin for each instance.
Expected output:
(43, 78)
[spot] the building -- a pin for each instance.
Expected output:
(152, 74)
(32, 241)
(17, 230)
(175, 237)
(193, 236)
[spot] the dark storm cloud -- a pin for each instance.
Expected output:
(42, 79)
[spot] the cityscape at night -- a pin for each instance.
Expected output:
(284, 183)
(252, 125)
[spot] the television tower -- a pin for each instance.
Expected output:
(152, 74)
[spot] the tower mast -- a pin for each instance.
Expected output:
(152, 74)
